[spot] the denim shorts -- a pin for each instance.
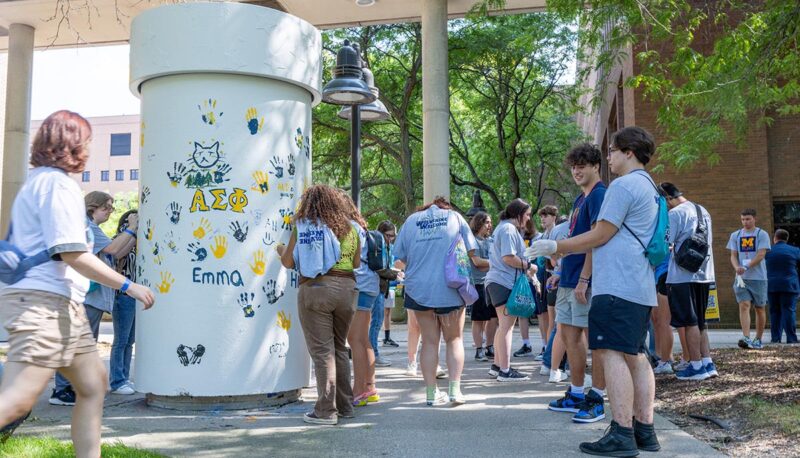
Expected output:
(365, 302)
(617, 324)
(754, 291)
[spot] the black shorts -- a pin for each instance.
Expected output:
(552, 295)
(661, 285)
(481, 310)
(541, 302)
(687, 304)
(411, 304)
(617, 324)
(497, 295)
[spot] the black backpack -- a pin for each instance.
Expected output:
(693, 251)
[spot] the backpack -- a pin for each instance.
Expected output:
(377, 251)
(658, 248)
(457, 271)
(693, 251)
(14, 263)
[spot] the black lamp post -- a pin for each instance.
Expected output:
(353, 86)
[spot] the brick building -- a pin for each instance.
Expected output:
(763, 173)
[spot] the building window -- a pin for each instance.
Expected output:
(134, 174)
(104, 175)
(85, 176)
(120, 144)
(119, 175)
(787, 216)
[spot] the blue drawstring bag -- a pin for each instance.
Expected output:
(14, 263)
(521, 302)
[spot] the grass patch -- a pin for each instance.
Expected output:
(48, 447)
(763, 413)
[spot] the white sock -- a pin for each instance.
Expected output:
(578, 390)
(696, 365)
(526, 342)
(707, 361)
(599, 392)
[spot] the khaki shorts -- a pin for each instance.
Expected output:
(44, 329)
(571, 312)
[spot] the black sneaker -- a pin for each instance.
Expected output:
(390, 343)
(525, 350)
(65, 397)
(8, 430)
(490, 351)
(617, 441)
(480, 355)
(645, 436)
(494, 370)
(512, 375)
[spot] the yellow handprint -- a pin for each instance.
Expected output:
(220, 246)
(202, 229)
(284, 322)
(253, 123)
(262, 182)
(166, 282)
(207, 113)
(258, 266)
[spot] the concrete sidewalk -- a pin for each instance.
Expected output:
(510, 417)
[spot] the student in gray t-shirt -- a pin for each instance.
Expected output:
(748, 247)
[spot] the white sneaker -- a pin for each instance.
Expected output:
(587, 381)
(663, 367)
(544, 370)
(440, 373)
(380, 361)
(411, 371)
(124, 389)
(681, 366)
(557, 376)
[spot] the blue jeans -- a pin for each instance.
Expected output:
(548, 351)
(652, 332)
(95, 316)
(376, 323)
(124, 316)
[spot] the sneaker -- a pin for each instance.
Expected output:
(544, 370)
(439, 398)
(524, 351)
(390, 343)
(540, 356)
(557, 376)
(346, 415)
(690, 373)
(756, 344)
(568, 403)
(373, 397)
(480, 355)
(457, 398)
(364, 398)
(587, 381)
(617, 441)
(512, 375)
(65, 397)
(645, 436)
(380, 361)
(711, 368)
(591, 410)
(681, 365)
(311, 417)
(440, 373)
(125, 388)
(745, 342)
(411, 370)
(494, 370)
(663, 367)
(490, 351)
(8, 429)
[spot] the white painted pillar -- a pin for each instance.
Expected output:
(18, 117)
(435, 101)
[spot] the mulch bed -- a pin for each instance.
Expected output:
(752, 385)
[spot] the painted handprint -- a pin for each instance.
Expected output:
(148, 233)
(284, 320)
(257, 215)
(155, 249)
(286, 218)
(220, 246)
(272, 292)
(167, 280)
(277, 165)
(169, 241)
(203, 228)
(146, 283)
(245, 301)
(239, 230)
(174, 212)
(178, 170)
(253, 123)
(261, 182)
(219, 174)
(199, 253)
(291, 166)
(258, 266)
(207, 113)
(302, 142)
(145, 195)
(139, 271)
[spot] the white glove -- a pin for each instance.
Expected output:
(541, 248)
(739, 282)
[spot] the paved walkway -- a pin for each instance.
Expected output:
(511, 417)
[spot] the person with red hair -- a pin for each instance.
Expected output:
(43, 313)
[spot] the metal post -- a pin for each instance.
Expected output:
(355, 154)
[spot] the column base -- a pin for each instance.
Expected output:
(207, 403)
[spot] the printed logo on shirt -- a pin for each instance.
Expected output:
(747, 244)
(431, 228)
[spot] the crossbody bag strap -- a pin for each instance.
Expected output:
(701, 221)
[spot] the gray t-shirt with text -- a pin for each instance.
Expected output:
(747, 243)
